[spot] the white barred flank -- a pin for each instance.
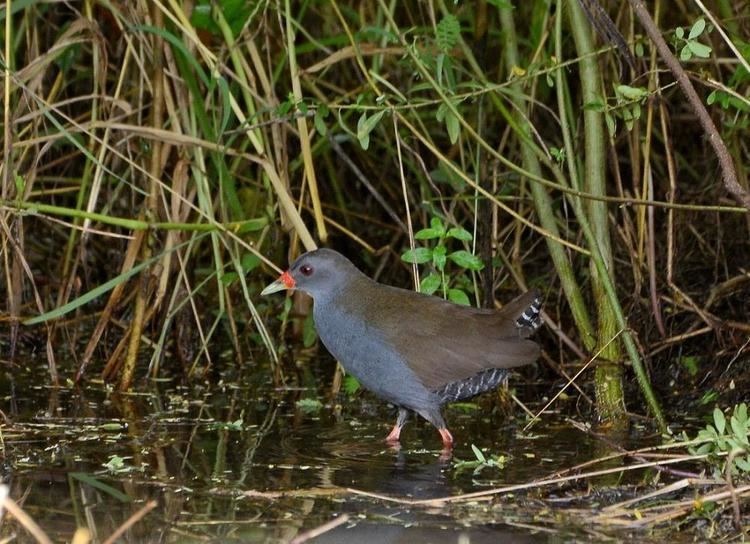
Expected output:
(470, 387)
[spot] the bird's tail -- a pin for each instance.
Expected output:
(529, 315)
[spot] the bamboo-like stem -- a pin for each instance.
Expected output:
(542, 199)
(608, 376)
(152, 203)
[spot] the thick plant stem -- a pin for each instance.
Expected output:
(608, 377)
(542, 199)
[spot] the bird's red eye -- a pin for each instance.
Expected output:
(306, 270)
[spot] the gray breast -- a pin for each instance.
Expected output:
(362, 352)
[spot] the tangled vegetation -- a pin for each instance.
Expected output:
(163, 160)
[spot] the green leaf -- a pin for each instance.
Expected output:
(309, 406)
(447, 32)
(691, 363)
(466, 260)
(351, 385)
(430, 284)
(20, 186)
(116, 464)
(437, 224)
(740, 431)
(319, 120)
(178, 44)
(439, 62)
(459, 297)
(249, 262)
(478, 454)
(440, 113)
(285, 107)
(418, 255)
(452, 125)
(229, 278)
(309, 335)
(438, 257)
(698, 27)
(720, 421)
(709, 397)
(557, 154)
(679, 32)
(226, 110)
(740, 412)
(611, 124)
(632, 93)
(235, 12)
(251, 225)
(460, 234)
(699, 50)
(372, 122)
(111, 427)
(427, 234)
(685, 53)
(364, 141)
(465, 406)
(365, 126)
(743, 464)
(88, 479)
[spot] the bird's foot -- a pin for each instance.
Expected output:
(447, 437)
(394, 435)
(446, 454)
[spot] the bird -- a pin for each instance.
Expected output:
(415, 351)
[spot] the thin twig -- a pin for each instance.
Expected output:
(571, 380)
(132, 520)
(728, 172)
(488, 493)
(737, 518)
(617, 447)
(410, 230)
(327, 526)
(23, 518)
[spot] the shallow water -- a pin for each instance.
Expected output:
(243, 462)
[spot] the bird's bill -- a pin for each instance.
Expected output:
(285, 281)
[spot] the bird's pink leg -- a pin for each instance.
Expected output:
(394, 435)
(447, 437)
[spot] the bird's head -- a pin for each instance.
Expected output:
(318, 273)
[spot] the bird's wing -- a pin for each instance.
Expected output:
(443, 342)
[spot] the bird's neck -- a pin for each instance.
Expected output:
(353, 286)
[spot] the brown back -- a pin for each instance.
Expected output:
(443, 342)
